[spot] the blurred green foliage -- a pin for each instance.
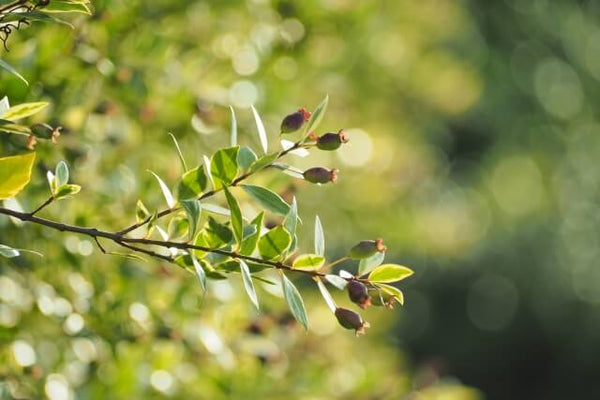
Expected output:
(473, 151)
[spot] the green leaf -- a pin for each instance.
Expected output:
(178, 227)
(260, 127)
(366, 265)
(388, 273)
(233, 130)
(181, 159)
(267, 198)
(192, 209)
(165, 190)
(15, 173)
(392, 291)
(274, 243)
(263, 162)
(6, 66)
(291, 218)
(317, 116)
(224, 166)
(336, 281)
(199, 272)
(8, 252)
(67, 7)
(10, 127)
(248, 285)
(24, 110)
(4, 105)
(192, 183)
(308, 262)
(236, 217)
(62, 174)
(141, 212)
(319, 237)
(215, 209)
(246, 157)
(294, 301)
(217, 235)
(207, 166)
(66, 190)
(250, 241)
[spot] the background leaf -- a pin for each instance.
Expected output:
(233, 132)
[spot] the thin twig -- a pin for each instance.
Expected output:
(46, 203)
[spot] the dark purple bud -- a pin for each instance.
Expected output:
(367, 248)
(358, 294)
(294, 121)
(320, 175)
(331, 141)
(351, 320)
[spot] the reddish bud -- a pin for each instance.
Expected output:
(320, 175)
(358, 294)
(351, 320)
(367, 248)
(332, 141)
(294, 121)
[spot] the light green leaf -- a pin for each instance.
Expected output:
(388, 273)
(165, 190)
(10, 127)
(336, 281)
(274, 243)
(178, 227)
(215, 209)
(308, 262)
(236, 217)
(246, 157)
(291, 218)
(262, 133)
(6, 66)
(66, 190)
(368, 264)
(62, 174)
(141, 212)
(233, 130)
(392, 291)
(67, 7)
(181, 159)
(267, 198)
(199, 272)
(192, 209)
(15, 173)
(8, 252)
(206, 161)
(250, 241)
(4, 105)
(248, 285)
(24, 110)
(319, 237)
(192, 183)
(317, 116)
(263, 162)
(294, 301)
(224, 166)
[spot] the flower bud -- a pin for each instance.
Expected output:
(367, 248)
(294, 121)
(331, 141)
(320, 175)
(351, 320)
(358, 294)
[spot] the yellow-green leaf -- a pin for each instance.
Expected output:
(388, 273)
(15, 173)
(308, 262)
(24, 110)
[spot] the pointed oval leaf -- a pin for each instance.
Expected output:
(66, 190)
(62, 174)
(141, 212)
(317, 115)
(24, 110)
(199, 272)
(388, 273)
(224, 166)
(294, 301)
(393, 291)
(309, 262)
(179, 153)
(263, 162)
(246, 157)
(268, 199)
(215, 209)
(6, 66)
(262, 133)
(274, 243)
(251, 240)
(248, 285)
(206, 161)
(336, 281)
(319, 237)
(192, 209)
(368, 264)
(192, 183)
(15, 172)
(233, 129)
(165, 191)
(291, 218)
(236, 217)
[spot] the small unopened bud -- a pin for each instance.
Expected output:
(367, 248)
(320, 175)
(294, 121)
(358, 294)
(31, 142)
(351, 320)
(332, 141)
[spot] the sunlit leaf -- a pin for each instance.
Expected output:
(262, 133)
(66, 190)
(192, 209)
(15, 173)
(366, 265)
(246, 157)
(263, 162)
(233, 129)
(165, 190)
(181, 159)
(388, 273)
(336, 281)
(392, 291)
(6, 66)
(267, 198)
(317, 116)
(319, 237)
(274, 243)
(141, 212)
(308, 262)
(199, 272)
(24, 110)
(8, 252)
(192, 183)
(236, 217)
(248, 285)
(62, 174)
(250, 241)
(215, 209)
(294, 301)
(224, 166)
